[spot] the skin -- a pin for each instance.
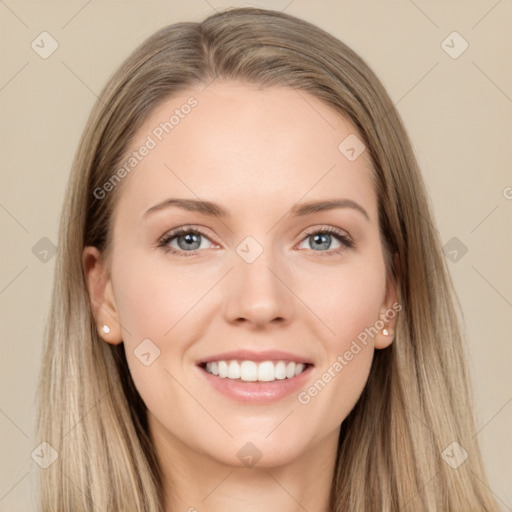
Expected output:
(256, 152)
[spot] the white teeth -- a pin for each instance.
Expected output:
(281, 370)
(266, 371)
(299, 369)
(233, 370)
(223, 369)
(249, 371)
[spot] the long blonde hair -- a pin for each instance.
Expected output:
(417, 400)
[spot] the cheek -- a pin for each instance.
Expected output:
(343, 374)
(348, 301)
(343, 305)
(151, 299)
(349, 305)
(157, 306)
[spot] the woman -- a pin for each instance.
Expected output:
(306, 353)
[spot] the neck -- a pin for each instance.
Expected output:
(195, 482)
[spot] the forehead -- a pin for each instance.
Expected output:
(250, 146)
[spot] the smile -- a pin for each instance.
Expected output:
(251, 371)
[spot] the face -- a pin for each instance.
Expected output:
(254, 277)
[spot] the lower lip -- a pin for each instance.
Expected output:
(260, 392)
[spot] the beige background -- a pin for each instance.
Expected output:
(458, 112)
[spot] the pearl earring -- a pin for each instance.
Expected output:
(385, 332)
(106, 329)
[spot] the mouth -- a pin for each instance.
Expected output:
(255, 371)
(249, 377)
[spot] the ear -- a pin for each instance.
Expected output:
(103, 305)
(389, 311)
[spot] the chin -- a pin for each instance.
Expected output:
(256, 451)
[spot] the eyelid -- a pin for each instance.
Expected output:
(326, 229)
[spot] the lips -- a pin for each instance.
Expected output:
(271, 388)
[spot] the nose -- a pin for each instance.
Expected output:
(259, 293)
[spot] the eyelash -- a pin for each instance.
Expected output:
(337, 233)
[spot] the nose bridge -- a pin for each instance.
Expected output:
(257, 292)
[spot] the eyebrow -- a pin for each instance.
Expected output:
(298, 210)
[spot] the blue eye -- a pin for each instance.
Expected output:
(189, 240)
(186, 239)
(321, 238)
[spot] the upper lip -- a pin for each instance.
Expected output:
(251, 355)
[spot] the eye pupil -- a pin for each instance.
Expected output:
(323, 239)
(190, 238)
